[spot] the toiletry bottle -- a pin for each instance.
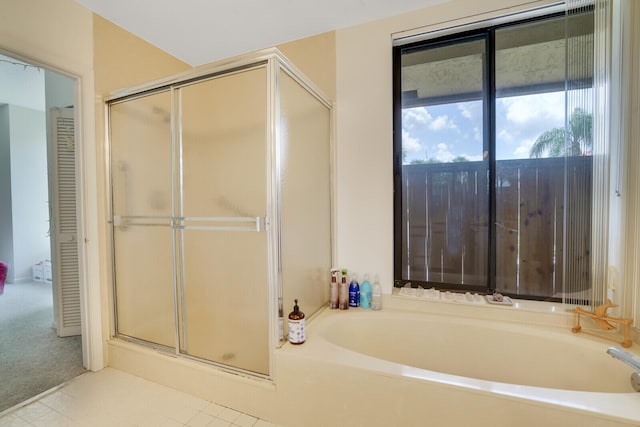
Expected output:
(376, 295)
(365, 292)
(354, 292)
(296, 325)
(343, 293)
(333, 289)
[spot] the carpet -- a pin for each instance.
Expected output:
(33, 358)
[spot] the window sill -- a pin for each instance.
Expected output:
(525, 311)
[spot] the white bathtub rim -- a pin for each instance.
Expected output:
(522, 311)
(621, 407)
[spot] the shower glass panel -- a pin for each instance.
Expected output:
(221, 209)
(305, 189)
(224, 292)
(140, 135)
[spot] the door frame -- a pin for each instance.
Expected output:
(87, 200)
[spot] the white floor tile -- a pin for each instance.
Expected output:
(146, 419)
(113, 398)
(66, 405)
(54, 419)
(182, 414)
(171, 423)
(245, 420)
(213, 409)
(200, 420)
(229, 414)
(13, 421)
(104, 422)
(33, 412)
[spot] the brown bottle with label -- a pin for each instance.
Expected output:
(296, 325)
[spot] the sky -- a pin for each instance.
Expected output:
(443, 132)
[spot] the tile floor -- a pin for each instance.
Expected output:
(112, 398)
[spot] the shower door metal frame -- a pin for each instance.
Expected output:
(146, 221)
(275, 63)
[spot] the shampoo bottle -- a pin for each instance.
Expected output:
(376, 295)
(296, 325)
(354, 292)
(365, 293)
(333, 289)
(343, 292)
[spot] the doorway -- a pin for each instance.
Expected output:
(38, 349)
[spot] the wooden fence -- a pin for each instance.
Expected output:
(540, 205)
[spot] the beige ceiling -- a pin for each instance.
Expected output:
(202, 31)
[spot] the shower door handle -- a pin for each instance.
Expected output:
(255, 224)
(124, 221)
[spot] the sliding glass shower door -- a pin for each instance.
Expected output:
(223, 204)
(221, 210)
(140, 134)
(189, 186)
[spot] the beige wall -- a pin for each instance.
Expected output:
(122, 59)
(364, 104)
(316, 57)
(58, 33)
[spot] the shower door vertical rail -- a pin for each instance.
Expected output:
(220, 220)
(140, 142)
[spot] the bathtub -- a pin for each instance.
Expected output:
(440, 364)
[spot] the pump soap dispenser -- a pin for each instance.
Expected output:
(343, 292)
(296, 325)
(333, 288)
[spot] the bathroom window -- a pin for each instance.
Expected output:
(493, 161)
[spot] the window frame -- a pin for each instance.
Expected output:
(488, 33)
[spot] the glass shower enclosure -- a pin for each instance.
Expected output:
(220, 187)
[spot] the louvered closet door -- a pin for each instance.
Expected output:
(64, 235)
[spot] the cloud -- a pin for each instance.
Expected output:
(442, 123)
(545, 106)
(524, 148)
(475, 158)
(472, 111)
(419, 118)
(443, 154)
(409, 143)
(505, 136)
(415, 118)
(521, 119)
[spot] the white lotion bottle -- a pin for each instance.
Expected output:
(333, 289)
(376, 295)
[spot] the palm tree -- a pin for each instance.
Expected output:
(579, 138)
